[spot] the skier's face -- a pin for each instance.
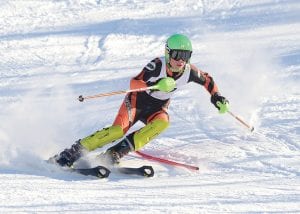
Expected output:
(177, 64)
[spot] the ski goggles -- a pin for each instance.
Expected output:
(180, 54)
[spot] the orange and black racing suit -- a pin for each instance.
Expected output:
(149, 105)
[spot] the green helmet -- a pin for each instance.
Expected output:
(177, 42)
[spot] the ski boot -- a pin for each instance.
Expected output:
(69, 156)
(116, 152)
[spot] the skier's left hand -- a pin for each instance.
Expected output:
(220, 102)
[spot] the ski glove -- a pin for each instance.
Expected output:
(220, 102)
(166, 84)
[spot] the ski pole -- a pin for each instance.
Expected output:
(169, 162)
(251, 128)
(82, 98)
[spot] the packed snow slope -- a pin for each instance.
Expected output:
(52, 51)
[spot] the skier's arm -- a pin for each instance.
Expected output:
(202, 78)
(138, 82)
(152, 69)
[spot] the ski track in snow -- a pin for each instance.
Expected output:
(53, 51)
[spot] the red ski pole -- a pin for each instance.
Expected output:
(169, 162)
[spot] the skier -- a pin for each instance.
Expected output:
(167, 74)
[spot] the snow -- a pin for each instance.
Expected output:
(53, 51)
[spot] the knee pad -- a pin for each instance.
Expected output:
(147, 133)
(102, 137)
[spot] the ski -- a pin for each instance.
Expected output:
(103, 172)
(145, 171)
(97, 171)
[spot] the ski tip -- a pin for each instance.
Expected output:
(148, 171)
(102, 172)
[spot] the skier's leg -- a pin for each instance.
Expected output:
(89, 143)
(157, 123)
(102, 137)
(122, 123)
(99, 138)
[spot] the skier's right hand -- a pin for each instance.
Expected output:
(166, 84)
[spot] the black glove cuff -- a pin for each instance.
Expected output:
(217, 97)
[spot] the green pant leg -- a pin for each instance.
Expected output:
(102, 137)
(147, 133)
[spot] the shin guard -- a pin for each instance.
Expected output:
(102, 137)
(147, 133)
